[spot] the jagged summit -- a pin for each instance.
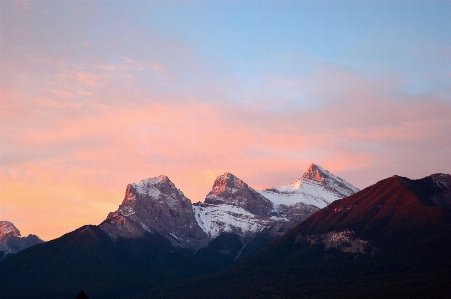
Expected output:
(442, 179)
(7, 230)
(152, 181)
(225, 181)
(317, 187)
(228, 189)
(315, 173)
(157, 188)
(155, 205)
(318, 175)
(233, 207)
(12, 242)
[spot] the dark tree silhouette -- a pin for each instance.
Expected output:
(81, 295)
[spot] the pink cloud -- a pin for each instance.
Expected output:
(86, 93)
(88, 79)
(106, 67)
(132, 65)
(158, 67)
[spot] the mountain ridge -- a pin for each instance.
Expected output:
(155, 205)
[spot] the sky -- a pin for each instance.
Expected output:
(95, 95)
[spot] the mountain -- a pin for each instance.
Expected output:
(390, 240)
(12, 242)
(257, 217)
(317, 187)
(155, 205)
(313, 191)
(232, 207)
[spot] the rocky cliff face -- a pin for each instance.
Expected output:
(230, 190)
(156, 206)
(12, 242)
(234, 207)
(7, 230)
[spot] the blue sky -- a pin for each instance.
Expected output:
(254, 38)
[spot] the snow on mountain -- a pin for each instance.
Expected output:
(155, 205)
(7, 230)
(230, 190)
(317, 187)
(234, 207)
(12, 242)
(215, 219)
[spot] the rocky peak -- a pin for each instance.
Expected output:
(7, 230)
(314, 190)
(442, 180)
(319, 175)
(435, 189)
(226, 183)
(158, 188)
(12, 242)
(230, 190)
(316, 173)
(155, 205)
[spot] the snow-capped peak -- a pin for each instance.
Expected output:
(317, 187)
(227, 180)
(7, 229)
(232, 206)
(155, 188)
(145, 185)
(318, 175)
(155, 205)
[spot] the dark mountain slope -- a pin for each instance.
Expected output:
(89, 259)
(390, 214)
(390, 240)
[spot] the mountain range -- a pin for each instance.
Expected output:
(390, 240)
(155, 205)
(317, 237)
